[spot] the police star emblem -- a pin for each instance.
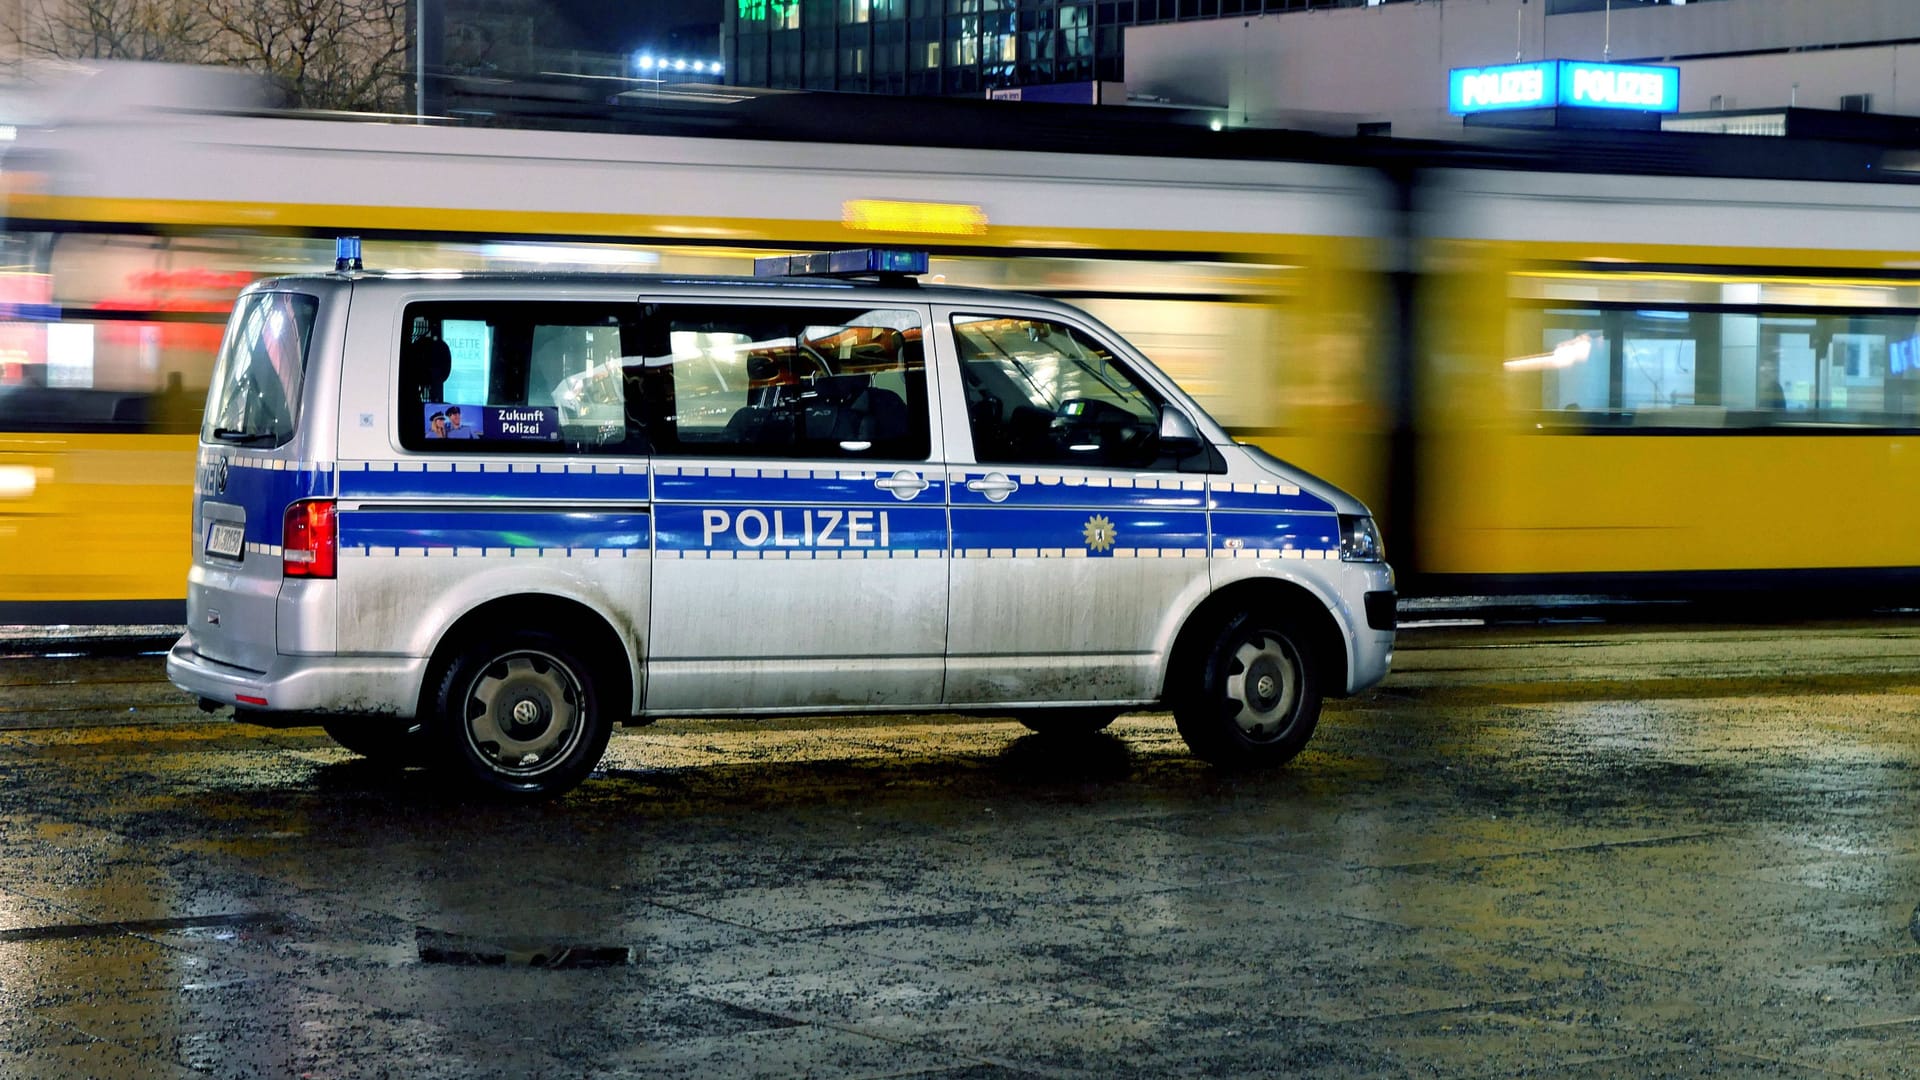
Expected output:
(1098, 534)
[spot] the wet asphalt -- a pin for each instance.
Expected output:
(1576, 851)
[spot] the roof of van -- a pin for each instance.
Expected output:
(900, 286)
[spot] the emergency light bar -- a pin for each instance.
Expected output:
(859, 262)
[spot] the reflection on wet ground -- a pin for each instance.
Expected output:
(1678, 852)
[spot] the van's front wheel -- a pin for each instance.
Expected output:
(521, 716)
(1252, 699)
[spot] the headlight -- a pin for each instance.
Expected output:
(1359, 540)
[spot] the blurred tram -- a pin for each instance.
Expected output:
(1673, 384)
(1614, 364)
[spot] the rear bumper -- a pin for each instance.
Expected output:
(387, 685)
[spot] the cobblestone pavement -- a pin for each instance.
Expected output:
(1570, 851)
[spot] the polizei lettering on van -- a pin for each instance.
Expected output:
(788, 528)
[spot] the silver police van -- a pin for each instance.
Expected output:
(476, 520)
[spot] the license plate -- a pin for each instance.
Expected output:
(226, 538)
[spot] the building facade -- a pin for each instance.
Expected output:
(955, 47)
(1385, 67)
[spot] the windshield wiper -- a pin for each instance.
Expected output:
(244, 438)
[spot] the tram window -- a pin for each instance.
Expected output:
(119, 376)
(1677, 368)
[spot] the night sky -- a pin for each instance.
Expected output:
(624, 23)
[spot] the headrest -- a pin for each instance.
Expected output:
(840, 389)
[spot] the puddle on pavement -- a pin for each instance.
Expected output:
(74, 931)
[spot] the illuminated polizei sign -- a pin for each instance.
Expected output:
(1547, 83)
(1514, 86)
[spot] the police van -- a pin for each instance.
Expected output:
(478, 519)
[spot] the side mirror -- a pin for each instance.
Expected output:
(1177, 434)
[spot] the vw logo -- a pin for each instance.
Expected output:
(220, 477)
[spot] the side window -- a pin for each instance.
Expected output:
(664, 379)
(1043, 393)
(785, 382)
(531, 377)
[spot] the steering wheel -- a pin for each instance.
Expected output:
(1116, 433)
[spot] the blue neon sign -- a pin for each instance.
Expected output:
(1512, 86)
(1547, 83)
(1620, 86)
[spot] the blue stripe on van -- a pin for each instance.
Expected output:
(847, 484)
(1042, 488)
(1275, 498)
(1299, 532)
(264, 494)
(523, 483)
(797, 529)
(487, 529)
(1113, 529)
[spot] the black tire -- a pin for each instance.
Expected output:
(380, 739)
(1251, 698)
(521, 716)
(1067, 723)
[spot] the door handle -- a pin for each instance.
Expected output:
(904, 484)
(995, 486)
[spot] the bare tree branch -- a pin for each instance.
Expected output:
(161, 30)
(322, 54)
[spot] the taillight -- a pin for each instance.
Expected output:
(311, 541)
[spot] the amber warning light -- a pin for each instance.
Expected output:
(938, 219)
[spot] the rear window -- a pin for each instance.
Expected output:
(255, 396)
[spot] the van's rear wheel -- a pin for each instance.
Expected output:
(1252, 698)
(521, 716)
(379, 739)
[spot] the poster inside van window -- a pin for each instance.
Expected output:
(497, 423)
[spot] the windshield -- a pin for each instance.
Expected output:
(254, 399)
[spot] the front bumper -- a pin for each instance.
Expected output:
(1368, 602)
(386, 685)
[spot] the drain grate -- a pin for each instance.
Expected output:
(437, 947)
